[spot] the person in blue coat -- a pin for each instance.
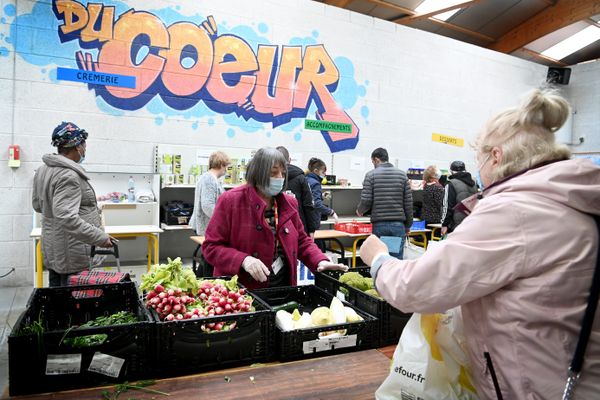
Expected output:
(316, 173)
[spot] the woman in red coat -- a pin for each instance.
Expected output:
(256, 231)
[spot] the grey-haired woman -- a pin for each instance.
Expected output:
(256, 231)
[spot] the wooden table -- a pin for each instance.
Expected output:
(347, 376)
(117, 231)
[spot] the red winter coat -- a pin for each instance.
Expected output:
(238, 229)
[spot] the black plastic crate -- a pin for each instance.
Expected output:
(59, 308)
(302, 343)
(184, 348)
(176, 212)
(391, 320)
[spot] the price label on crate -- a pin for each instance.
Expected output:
(325, 344)
(63, 364)
(106, 365)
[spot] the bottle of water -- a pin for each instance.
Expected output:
(131, 190)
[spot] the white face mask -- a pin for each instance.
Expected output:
(478, 176)
(81, 157)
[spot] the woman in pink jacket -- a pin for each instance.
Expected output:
(521, 263)
(256, 231)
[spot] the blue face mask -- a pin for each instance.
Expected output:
(81, 157)
(275, 186)
(478, 176)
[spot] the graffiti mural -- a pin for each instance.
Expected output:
(186, 63)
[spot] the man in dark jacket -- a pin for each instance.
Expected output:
(298, 186)
(460, 186)
(387, 195)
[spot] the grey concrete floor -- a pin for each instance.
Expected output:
(12, 305)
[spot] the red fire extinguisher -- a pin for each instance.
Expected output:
(14, 156)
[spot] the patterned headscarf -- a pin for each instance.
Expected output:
(67, 134)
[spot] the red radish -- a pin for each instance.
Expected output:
(178, 291)
(211, 314)
(171, 292)
(229, 301)
(227, 307)
(196, 311)
(167, 308)
(242, 291)
(159, 288)
(179, 317)
(218, 326)
(211, 325)
(183, 309)
(188, 315)
(224, 292)
(195, 316)
(170, 317)
(222, 302)
(176, 308)
(164, 301)
(219, 310)
(151, 294)
(162, 295)
(203, 296)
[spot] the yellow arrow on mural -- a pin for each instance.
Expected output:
(451, 140)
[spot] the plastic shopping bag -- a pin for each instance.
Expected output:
(430, 362)
(412, 251)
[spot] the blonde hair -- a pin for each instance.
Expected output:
(430, 174)
(526, 133)
(218, 159)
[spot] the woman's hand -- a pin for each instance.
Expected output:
(371, 248)
(257, 270)
(328, 265)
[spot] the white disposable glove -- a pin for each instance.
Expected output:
(335, 217)
(257, 270)
(328, 265)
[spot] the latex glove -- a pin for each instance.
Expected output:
(359, 214)
(335, 217)
(257, 270)
(328, 265)
(371, 248)
(444, 230)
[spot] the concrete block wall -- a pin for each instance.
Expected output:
(583, 91)
(398, 84)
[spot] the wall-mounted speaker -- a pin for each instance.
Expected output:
(558, 76)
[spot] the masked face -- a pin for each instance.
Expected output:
(81, 151)
(276, 182)
(479, 168)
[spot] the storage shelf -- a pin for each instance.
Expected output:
(188, 186)
(166, 227)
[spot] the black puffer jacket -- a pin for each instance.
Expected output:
(460, 186)
(298, 186)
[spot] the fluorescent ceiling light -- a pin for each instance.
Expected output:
(573, 43)
(432, 5)
(446, 15)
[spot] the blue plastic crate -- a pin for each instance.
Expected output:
(417, 226)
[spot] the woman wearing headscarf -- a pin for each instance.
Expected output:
(64, 196)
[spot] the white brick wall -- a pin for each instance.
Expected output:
(419, 83)
(584, 92)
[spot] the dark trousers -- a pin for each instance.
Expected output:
(57, 279)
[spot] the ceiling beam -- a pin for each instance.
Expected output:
(463, 30)
(542, 57)
(418, 17)
(338, 3)
(393, 6)
(550, 19)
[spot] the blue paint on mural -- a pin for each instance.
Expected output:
(3, 52)
(230, 133)
(10, 10)
(50, 48)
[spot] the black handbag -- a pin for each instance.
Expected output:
(574, 371)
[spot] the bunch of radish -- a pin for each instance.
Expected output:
(218, 298)
(213, 298)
